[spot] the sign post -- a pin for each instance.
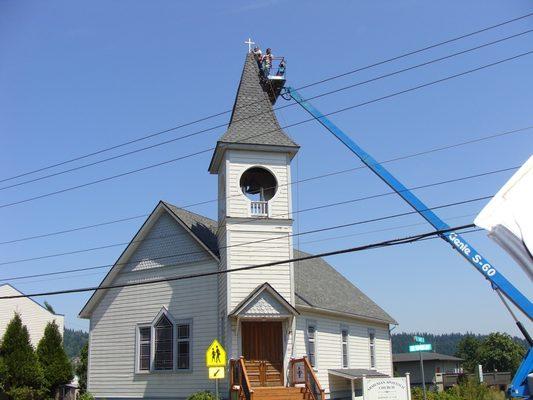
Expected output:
(420, 347)
(215, 360)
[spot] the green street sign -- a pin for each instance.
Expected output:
(420, 347)
(419, 339)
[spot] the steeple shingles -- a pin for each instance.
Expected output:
(253, 121)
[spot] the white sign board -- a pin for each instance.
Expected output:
(385, 389)
(298, 372)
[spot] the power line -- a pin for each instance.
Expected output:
(386, 243)
(64, 272)
(314, 208)
(142, 138)
(287, 126)
(303, 180)
(318, 230)
(351, 86)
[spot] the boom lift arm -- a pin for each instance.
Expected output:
(519, 387)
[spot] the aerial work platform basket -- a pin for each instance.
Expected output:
(273, 77)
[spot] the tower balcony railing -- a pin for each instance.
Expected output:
(259, 208)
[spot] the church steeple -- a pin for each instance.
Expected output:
(253, 124)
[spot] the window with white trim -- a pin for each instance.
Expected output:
(311, 342)
(345, 334)
(163, 344)
(145, 340)
(183, 329)
(372, 344)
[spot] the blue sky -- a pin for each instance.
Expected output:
(79, 76)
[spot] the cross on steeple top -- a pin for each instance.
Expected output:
(249, 43)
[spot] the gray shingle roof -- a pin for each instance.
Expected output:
(318, 284)
(408, 357)
(336, 292)
(253, 121)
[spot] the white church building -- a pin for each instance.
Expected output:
(149, 340)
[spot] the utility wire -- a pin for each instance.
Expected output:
(351, 86)
(385, 61)
(54, 273)
(318, 230)
(287, 126)
(314, 208)
(303, 180)
(386, 243)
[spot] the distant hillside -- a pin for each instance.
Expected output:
(73, 341)
(444, 343)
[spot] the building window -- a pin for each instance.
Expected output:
(163, 348)
(184, 344)
(145, 336)
(344, 346)
(311, 342)
(372, 344)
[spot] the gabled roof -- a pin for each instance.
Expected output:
(318, 284)
(253, 122)
(202, 229)
(15, 291)
(336, 293)
(265, 287)
(408, 357)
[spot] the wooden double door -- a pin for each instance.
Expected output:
(262, 349)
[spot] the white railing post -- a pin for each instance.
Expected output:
(259, 208)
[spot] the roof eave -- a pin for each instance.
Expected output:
(221, 147)
(344, 314)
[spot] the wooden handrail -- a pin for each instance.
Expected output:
(309, 372)
(238, 366)
(245, 377)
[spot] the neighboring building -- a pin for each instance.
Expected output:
(434, 363)
(33, 315)
(148, 341)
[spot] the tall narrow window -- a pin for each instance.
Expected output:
(163, 353)
(184, 345)
(145, 335)
(311, 343)
(372, 343)
(344, 344)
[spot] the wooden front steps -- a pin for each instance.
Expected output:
(280, 393)
(264, 373)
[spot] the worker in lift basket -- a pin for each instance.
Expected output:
(267, 61)
(258, 54)
(281, 68)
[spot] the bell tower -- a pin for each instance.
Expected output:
(253, 163)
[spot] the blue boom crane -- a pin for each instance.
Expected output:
(519, 387)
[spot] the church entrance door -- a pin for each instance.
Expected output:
(262, 349)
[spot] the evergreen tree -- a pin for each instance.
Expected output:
(56, 366)
(81, 368)
(19, 365)
(467, 349)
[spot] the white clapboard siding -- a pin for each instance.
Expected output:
(328, 344)
(237, 204)
(33, 315)
(258, 251)
(115, 318)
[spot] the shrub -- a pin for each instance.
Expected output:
(86, 396)
(206, 395)
(25, 393)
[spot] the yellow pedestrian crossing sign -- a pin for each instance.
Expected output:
(215, 356)
(216, 372)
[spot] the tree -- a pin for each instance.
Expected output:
(49, 307)
(467, 349)
(81, 368)
(19, 365)
(500, 352)
(56, 366)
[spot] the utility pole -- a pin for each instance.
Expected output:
(423, 375)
